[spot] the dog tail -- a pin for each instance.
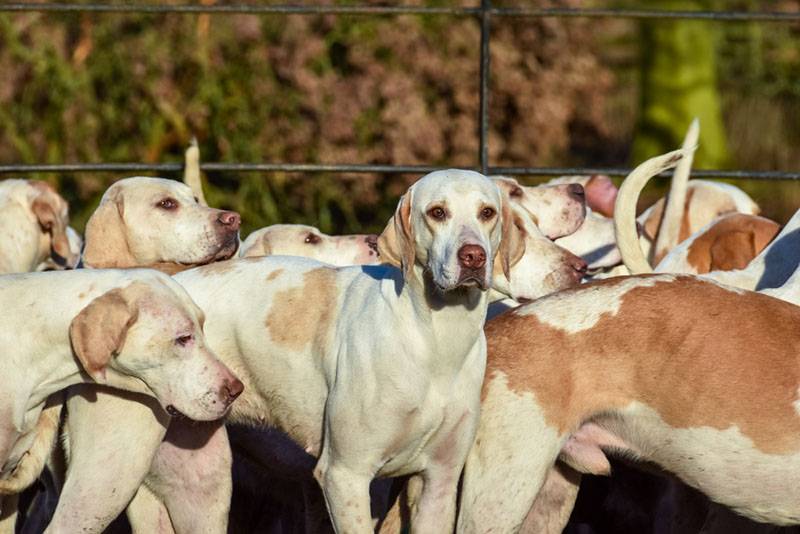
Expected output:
(625, 208)
(32, 462)
(669, 231)
(191, 171)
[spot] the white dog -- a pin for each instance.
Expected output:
(33, 222)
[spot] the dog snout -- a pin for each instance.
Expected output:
(576, 192)
(471, 257)
(578, 267)
(231, 389)
(229, 219)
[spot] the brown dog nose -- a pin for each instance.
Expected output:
(472, 256)
(372, 242)
(576, 191)
(231, 390)
(230, 218)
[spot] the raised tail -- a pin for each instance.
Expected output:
(625, 208)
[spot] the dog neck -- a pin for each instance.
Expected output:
(455, 318)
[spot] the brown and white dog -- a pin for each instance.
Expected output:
(33, 222)
(673, 396)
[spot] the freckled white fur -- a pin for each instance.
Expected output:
(40, 344)
(585, 309)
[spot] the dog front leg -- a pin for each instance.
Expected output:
(111, 441)
(147, 514)
(191, 474)
(346, 496)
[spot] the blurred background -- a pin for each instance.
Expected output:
(93, 87)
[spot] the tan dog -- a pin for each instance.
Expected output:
(159, 223)
(33, 222)
(309, 242)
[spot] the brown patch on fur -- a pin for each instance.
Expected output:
(701, 356)
(731, 243)
(304, 314)
(105, 243)
(274, 274)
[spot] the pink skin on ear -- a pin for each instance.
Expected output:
(601, 194)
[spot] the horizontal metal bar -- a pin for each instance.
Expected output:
(287, 9)
(291, 9)
(696, 173)
(364, 169)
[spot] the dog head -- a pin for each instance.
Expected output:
(558, 210)
(151, 330)
(40, 217)
(453, 224)
(149, 221)
(309, 242)
(543, 268)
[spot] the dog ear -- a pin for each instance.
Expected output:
(48, 213)
(512, 241)
(98, 332)
(396, 242)
(105, 242)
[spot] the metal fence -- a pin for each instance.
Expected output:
(485, 13)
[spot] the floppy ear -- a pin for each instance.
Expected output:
(733, 250)
(105, 244)
(396, 242)
(512, 241)
(47, 213)
(98, 332)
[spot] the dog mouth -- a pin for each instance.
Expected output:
(174, 412)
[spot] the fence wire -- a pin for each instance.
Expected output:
(483, 13)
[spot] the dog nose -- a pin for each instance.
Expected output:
(231, 390)
(372, 242)
(230, 218)
(576, 191)
(579, 267)
(472, 256)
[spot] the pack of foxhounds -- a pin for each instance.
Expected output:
(495, 349)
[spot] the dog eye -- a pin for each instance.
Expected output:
(197, 200)
(516, 192)
(487, 213)
(184, 340)
(437, 213)
(313, 239)
(168, 204)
